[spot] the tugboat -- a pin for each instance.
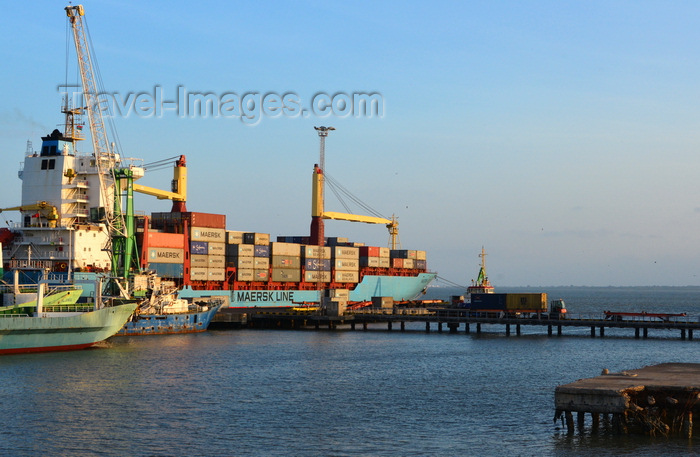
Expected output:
(481, 285)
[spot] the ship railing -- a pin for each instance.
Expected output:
(18, 264)
(14, 315)
(73, 308)
(33, 288)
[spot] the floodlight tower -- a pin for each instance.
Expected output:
(317, 232)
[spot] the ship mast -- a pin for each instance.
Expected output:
(481, 284)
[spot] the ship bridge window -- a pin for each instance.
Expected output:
(48, 164)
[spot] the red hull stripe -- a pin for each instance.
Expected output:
(71, 347)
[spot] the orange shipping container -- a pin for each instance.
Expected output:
(166, 240)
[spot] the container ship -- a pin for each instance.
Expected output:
(68, 220)
(62, 230)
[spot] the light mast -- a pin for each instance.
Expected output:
(317, 207)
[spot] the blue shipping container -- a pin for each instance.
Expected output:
(262, 250)
(199, 247)
(496, 302)
(318, 264)
(168, 270)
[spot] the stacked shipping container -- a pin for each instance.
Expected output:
(165, 254)
(249, 254)
(253, 258)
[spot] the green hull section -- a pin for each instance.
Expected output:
(61, 331)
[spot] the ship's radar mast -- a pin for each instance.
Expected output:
(481, 285)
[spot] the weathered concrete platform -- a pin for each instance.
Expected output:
(658, 399)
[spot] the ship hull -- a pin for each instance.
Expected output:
(166, 324)
(61, 331)
(401, 288)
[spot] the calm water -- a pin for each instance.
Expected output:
(342, 393)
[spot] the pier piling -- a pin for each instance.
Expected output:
(655, 401)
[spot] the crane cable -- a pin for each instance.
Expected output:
(101, 88)
(338, 188)
(450, 283)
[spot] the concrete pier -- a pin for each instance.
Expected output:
(454, 318)
(657, 400)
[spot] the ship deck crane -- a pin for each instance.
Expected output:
(178, 194)
(119, 220)
(46, 209)
(318, 213)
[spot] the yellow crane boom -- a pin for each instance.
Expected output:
(47, 210)
(178, 194)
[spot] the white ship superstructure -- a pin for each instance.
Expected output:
(64, 200)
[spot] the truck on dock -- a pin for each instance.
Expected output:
(516, 305)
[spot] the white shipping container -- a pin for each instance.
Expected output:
(261, 263)
(341, 252)
(289, 249)
(240, 250)
(316, 252)
(347, 276)
(199, 274)
(384, 253)
(201, 261)
(246, 274)
(317, 276)
(384, 262)
(217, 261)
(338, 293)
(166, 255)
(420, 255)
(208, 234)
(346, 264)
(370, 261)
(233, 237)
(408, 263)
(217, 249)
(217, 274)
(241, 262)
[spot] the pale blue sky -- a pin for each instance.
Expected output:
(562, 136)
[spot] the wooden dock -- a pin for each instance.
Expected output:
(658, 400)
(456, 320)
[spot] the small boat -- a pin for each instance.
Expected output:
(167, 314)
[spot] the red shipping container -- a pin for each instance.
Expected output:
(369, 251)
(166, 240)
(207, 220)
(397, 263)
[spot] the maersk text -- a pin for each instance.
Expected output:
(264, 296)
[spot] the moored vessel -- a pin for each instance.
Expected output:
(70, 225)
(32, 326)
